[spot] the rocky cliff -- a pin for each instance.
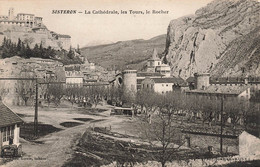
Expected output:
(222, 38)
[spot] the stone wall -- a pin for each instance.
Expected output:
(203, 141)
(31, 37)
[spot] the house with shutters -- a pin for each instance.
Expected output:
(9, 126)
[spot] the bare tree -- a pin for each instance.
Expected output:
(161, 132)
(25, 88)
(56, 92)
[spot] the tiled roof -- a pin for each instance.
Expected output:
(223, 89)
(90, 80)
(63, 36)
(72, 68)
(7, 116)
(233, 80)
(176, 80)
(139, 81)
(190, 79)
(148, 74)
(96, 84)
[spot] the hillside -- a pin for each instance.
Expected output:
(123, 54)
(221, 38)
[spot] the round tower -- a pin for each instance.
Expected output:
(130, 80)
(201, 80)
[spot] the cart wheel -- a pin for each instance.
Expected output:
(19, 151)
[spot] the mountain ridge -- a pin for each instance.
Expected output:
(124, 54)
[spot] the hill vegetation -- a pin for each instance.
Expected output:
(124, 54)
(9, 49)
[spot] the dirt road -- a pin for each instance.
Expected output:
(54, 149)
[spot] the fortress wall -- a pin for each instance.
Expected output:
(65, 42)
(38, 38)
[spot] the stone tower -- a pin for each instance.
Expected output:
(130, 80)
(201, 81)
(153, 62)
(11, 14)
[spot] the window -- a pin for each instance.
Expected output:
(12, 132)
(7, 133)
(4, 134)
(162, 85)
(166, 84)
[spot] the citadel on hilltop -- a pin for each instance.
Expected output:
(22, 19)
(31, 30)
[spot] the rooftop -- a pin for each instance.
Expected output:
(72, 68)
(7, 116)
(175, 80)
(222, 89)
(63, 36)
(190, 79)
(149, 74)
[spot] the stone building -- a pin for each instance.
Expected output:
(21, 19)
(242, 87)
(163, 85)
(30, 28)
(73, 75)
(155, 64)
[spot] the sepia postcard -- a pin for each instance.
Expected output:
(129, 83)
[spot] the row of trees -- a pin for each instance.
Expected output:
(161, 110)
(205, 108)
(22, 49)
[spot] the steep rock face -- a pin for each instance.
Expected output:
(198, 43)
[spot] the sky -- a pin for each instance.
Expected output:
(91, 28)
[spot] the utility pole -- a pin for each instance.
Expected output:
(36, 111)
(221, 125)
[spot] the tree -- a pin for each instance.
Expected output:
(36, 51)
(161, 132)
(78, 50)
(19, 45)
(28, 52)
(56, 92)
(70, 54)
(25, 89)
